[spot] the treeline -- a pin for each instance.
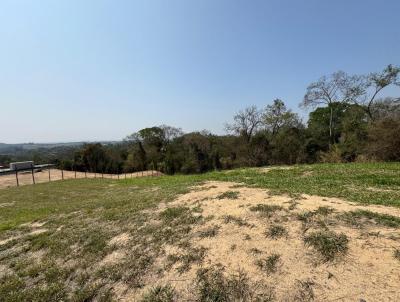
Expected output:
(348, 122)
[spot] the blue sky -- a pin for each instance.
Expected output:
(73, 70)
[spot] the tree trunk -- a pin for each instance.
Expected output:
(330, 128)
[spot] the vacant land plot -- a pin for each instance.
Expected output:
(306, 233)
(25, 178)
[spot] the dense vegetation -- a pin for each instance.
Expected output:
(349, 123)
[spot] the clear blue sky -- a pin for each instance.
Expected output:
(74, 70)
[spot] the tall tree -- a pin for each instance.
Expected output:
(246, 122)
(277, 116)
(364, 90)
(327, 91)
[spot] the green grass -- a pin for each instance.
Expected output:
(360, 217)
(368, 183)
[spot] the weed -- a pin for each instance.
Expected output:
(255, 251)
(236, 220)
(229, 195)
(212, 285)
(328, 244)
(192, 255)
(247, 237)
(304, 291)
(269, 265)
(266, 210)
(293, 204)
(276, 231)
(396, 254)
(170, 214)
(179, 216)
(324, 211)
(159, 293)
(209, 232)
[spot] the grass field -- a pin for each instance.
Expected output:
(266, 234)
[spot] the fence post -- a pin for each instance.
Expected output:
(49, 174)
(75, 173)
(33, 175)
(62, 174)
(16, 176)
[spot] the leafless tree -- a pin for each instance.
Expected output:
(246, 122)
(364, 90)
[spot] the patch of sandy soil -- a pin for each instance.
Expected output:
(4, 270)
(112, 258)
(120, 240)
(25, 178)
(267, 169)
(368, 271)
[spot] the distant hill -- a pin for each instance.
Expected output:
(11, 148)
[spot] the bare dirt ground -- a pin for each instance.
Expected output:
(25, 178)
(235, 237)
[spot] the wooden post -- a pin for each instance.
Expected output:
(33, 175)
(62, 174)
(16, 176)
(49, 174)
(75, 173)
(125, 175)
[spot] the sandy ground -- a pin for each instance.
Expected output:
(25, 178)
(368, 272)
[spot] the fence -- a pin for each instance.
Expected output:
(48, 174)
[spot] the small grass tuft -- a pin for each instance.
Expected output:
(213, 285)
(266, 210)
(324, 211)
(159, 293)
(276, 231)
(328, 244)
(236, 220)
(269, 265)
(396, 254)
(304, 291)
(229, 195)
(210, 231)
(192, 255)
